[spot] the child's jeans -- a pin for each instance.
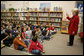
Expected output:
(21, 47)
(36, 51)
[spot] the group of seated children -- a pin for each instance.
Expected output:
(26, 36)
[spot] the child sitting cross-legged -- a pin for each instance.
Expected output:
(35, 46)
(46, 34)
(19, 44)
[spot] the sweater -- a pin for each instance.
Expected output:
(18, 42)
(35, 45)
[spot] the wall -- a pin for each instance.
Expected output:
(66, 5)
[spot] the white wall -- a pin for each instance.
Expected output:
(66, 5)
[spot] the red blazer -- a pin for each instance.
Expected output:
(73, 25)
(35, 45)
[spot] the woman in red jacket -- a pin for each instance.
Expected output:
(73, 26)
(35, 47)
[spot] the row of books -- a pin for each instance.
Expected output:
(32, 18)
(33, 14)
(16, 14)
(58, 29)
(8, 14)
(3, 17)
(16, 18)
(22, 18)
(56, 14)
(57, 8)
(3, 14)
(33, 22)
(42, 23)
(43, 14)
(56, 24)
(24, 14)
(55, 19)
(65, 23)
(43, 19)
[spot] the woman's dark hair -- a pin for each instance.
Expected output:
(33, 33)
(34, 38)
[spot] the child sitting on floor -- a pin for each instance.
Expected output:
(28, 33)
(35, 47)
(39, 34)
(19, 44)
(46, 34)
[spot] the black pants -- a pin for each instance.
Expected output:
(71, 39)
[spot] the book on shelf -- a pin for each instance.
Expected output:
(43, 19)
(58, 29)
(55, 14)
(32, 14)
(57, 8)
(3, 14)
(24, 14)
(8, 17)
(55, 19)
(32, 18)
(56, 24)
(65, 23)
(9, 14)
(43, 14)
(34, 22)
(16, 17)
(42, 23)
(16, 14)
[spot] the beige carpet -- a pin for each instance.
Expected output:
(58, 46)
(55, 46)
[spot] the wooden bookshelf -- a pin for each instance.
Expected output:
(36, 16)
(64, 27)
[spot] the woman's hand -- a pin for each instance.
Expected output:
(67, 14)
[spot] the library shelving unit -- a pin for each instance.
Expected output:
(36, 17)
(64, 28)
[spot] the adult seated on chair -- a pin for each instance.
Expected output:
(19, 44)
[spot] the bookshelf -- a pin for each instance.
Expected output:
(36, 17)
(64, 27)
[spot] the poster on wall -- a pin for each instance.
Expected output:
(2, 6)
(46, 5)
(80, 7)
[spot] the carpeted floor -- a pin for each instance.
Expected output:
(55, 46)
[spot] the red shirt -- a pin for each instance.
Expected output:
(50, 28)
(35, 45)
